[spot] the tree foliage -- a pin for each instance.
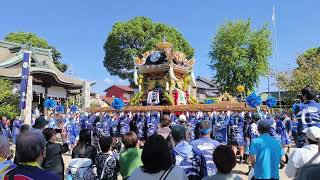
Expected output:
(134, 37)
(307, 72)
(34, 40)
(239, 55)
(8, 99)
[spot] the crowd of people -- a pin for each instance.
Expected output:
(150, 145)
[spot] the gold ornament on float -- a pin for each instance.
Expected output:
(240, 89)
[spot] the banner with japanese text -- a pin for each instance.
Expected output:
(24, 79)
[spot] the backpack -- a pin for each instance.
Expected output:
(80, 169)
(309, 170)
(105, 166)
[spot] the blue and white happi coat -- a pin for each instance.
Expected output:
(236, 126)
(308, 116)
(16, 129)
(141, 127)
(190, 159)
(52, 123)
(207, 146)
(72, 130)
(152, 124)
(221, 129)
(282, 133)
(124, 125)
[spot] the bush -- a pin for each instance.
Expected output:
(9, 100)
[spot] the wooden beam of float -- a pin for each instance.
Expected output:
(238, 107)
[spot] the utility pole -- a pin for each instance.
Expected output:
(276, 49)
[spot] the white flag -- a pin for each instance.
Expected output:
(273, 14)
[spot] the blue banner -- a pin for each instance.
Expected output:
(24, 79)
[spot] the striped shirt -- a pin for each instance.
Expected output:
(309, 115)
(189, 159)
(207, 146)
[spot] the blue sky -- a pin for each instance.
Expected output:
(79, 28)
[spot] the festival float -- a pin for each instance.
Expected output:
(166, 82)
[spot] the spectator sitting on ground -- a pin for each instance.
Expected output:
(187, 157)
(130, 159)
(30, 152)
(53, 161)
(266, 153)
(157, 162)
(303, 155)
(84, 149)
(225, 160)
(107, 165)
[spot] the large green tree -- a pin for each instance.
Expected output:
(307, 72)
(134, 37)
(8, 99)
(34, 40)
(239, 55)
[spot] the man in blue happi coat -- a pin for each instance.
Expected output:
(4, 128)
(72, 130)
(16, 128)
(52, 121)
(221, 128)
(186, 156)
(308, 113)
(237, 137)
(206, 145)
(252, 133)
(106, 125)
(124, 124)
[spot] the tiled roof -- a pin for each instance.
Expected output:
(212, 83)
(204, 83)
(43, 59)
(123, 87)
(110, 99)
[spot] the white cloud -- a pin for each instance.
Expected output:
(108, 81)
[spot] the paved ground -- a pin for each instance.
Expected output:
(241, 169)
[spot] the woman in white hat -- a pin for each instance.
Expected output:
(303, 155)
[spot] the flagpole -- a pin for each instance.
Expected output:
(276, 48)
(268, 80)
